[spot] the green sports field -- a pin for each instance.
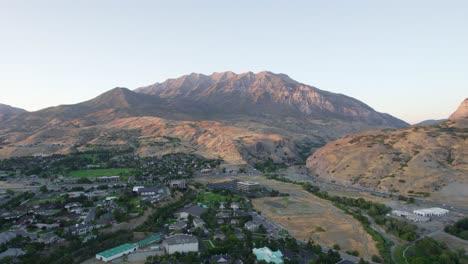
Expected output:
(97, 173)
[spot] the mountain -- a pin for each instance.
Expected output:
(8, 111)
(461, 112)
(240, 117)
(431, 122)
(227, 93)
(418, 160)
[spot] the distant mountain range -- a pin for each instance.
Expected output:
(413, 161)
(240, 117)
(430, 122)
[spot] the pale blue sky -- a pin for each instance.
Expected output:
(407, 58)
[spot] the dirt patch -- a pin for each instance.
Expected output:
(303, 214)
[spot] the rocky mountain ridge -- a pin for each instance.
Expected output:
(239, 117)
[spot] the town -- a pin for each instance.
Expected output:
(177, 208)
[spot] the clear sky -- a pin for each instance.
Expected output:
(406, 58)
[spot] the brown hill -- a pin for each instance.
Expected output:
(239, 117)
(461, 112)
(419, 160)
(8, 111)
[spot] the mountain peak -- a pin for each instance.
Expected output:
(461, 112)
(263, 92)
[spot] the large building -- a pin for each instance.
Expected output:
(436, 211)
(410, 216)
(116, 252)
(180, 243)
(247, 186)
(126, 249)
(268, 255)
(194, 210)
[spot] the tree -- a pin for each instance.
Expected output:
(43, 189)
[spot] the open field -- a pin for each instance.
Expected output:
(96, 173)
(452, 242)
(305, 215)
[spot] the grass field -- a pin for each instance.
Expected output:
(97, 173)
(210, 198)
(208, 244)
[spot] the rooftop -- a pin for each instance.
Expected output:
(194, 210)
(114, 251)
(268, 255)
(149, 240)
(433, 210)
(181, 239)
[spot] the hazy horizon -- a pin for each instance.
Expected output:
(405, 59)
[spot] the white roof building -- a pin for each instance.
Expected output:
(180, 243)
(431, 211)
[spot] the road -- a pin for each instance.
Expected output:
(425, 202)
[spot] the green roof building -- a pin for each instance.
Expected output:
(116, 252)
(149, 240)
(268, 255)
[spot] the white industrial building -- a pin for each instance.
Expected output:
(436, 211)
(180, 243)
(410, 216)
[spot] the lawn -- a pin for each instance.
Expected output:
(210, 198)
(97, 172)
(208, 244)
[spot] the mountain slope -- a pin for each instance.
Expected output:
(240, 117)
(461, 112)
(418, 160)
(7, 111)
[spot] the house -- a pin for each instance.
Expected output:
(223, 215)
(116, 252)
(219, 235)
(46, 226)
(71, 206)
(49, 238)
(198, 222)
(180, 243)
(148, 191)
(5, 237)
(268, 255)
(238, 233)
(235, 206)
(221, 259)
(206, 171)
(234, 222)
(178, 184)
(251, 226)
(194, 210)
(178, 225)
(12, 252)
(80, 229)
